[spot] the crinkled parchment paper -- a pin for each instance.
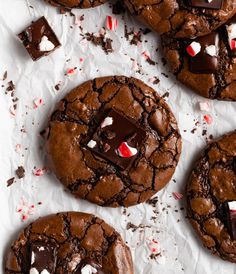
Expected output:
(179, 250)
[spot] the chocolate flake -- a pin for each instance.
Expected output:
(20, 172)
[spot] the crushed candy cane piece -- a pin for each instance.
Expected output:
(135, 65)
(193, 49)
(38, 102)
(91, 143)
(146, 55)
(81, 59)
(232, 206)
(12, 111)
(39, 172)
(211, 50)
(18, 148)
(231, 30)
(153, 246)
(45, 44)
(111, 23)
(233, 44)
(177, 195)
(107, 122)
(71, 71)
(204, 106)
(25, 209)
(126, 151)
(208, 119)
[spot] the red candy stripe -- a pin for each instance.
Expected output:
(233, 44)
(126, 151)
(112, 23)
(193, 49)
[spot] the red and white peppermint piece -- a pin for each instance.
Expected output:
(108, 121)
(232, 209)
(208, 119)
(112, 23)
(39, 172)
(135, 66)
(193, 49)
(177, 195)
(126, 151)
(38, 102)
(153, 246)
(45, 44)
(12, 111)
(25, 209)
(231, 30)
(211, 50)
(146, 55)
(91, 143)
(232, 44)
(18, 148)
(71, 71)
(204, 106)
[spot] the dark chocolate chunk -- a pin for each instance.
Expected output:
(204, 62)
(43, 256)
(39, 39)
(20, 172)
(126, 136)
(207, 4)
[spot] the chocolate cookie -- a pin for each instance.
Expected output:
(211, 197)
(69, 242)
(72, 4)
(113, 141)
(183, 18)
(206, 64)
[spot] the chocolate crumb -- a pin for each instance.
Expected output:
(10, 181)
(20, 172)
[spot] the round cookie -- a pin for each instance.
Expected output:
(113, 141)
(69, 242)
(211, 196)
(72, 4)
(206, 64)
(183, 18)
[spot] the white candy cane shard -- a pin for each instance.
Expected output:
(232, 206)
(91, 143)
(112, 23)
(209, 1)
(44, 272)
(204, 106)
(231, 30)
(88, 269)
(211, 50)
(108, 121)
(32, 258)
(193, 49)
(34, 271)
(126, 151)
(45, 44)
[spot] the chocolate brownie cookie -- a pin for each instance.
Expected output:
(211, 197)
(206, 64)
(183, 18)
(69, 242)
(72, 4)
(113, 141)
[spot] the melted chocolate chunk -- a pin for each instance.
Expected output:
(207, 4)
(43, 256)
(204, 62)
(32, 36)
(231, 219)
(111, 134)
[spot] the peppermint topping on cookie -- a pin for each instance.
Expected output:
(88, 269)
(232, 206)
(45, 44)
(126, 151)
(211, 50)
(92, 144)
(108, 121)
(231, 30)
(232, 44)
(193, 49)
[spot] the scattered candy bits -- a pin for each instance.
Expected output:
(40, 172)
(208, 119)
(71, 71)
(38, 102)
(126, 151)
(12, 111)
(153, 246)
(25, 209)
(177, 195)
(204, 106)
(111, 23)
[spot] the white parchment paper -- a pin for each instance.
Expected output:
(180, 251)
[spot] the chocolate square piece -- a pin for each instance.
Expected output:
(39, 39)
(231, 218)
(117, 139)
(206, 61)
(207, 4)
(231, 36)
(43, 257)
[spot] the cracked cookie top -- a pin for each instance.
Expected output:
(206, 64)
(211, 196)
(113, 141)
(183, 18)
(72, 4)
(69, 242)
